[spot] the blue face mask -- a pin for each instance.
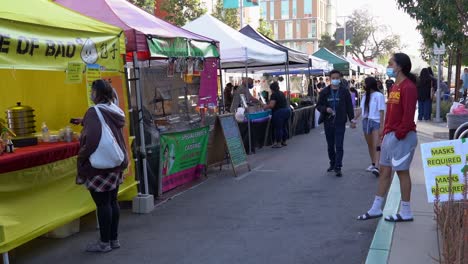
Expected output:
(391, 72)
(335, 82)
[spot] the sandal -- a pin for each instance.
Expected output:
(397, 218)
(367, 216)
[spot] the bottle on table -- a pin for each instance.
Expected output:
(45, 132)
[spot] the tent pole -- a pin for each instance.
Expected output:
(139, 99)
(222, 88)
(310, 82)
(247, 110)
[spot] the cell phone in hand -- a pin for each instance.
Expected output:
(76, 121)
(378, 148)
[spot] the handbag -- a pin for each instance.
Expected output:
(108, 153)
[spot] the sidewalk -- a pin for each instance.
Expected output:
(413, 242)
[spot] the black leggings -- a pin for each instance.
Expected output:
(108, 212)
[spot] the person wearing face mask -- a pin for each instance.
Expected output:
(399, 139)
(247, 84)
(335, 107)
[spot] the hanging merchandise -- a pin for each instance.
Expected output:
(199, 64)
(190, 66)
(171, 67)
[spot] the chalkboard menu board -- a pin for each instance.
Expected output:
(233, 140)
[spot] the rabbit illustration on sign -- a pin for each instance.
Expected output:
(89, 53)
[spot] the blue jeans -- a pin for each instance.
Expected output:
(280, 124)
(424, 109)
(335, 139)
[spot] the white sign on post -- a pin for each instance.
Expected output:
(439, 50)
(436, 157)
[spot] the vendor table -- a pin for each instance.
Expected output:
(258, 132)
(303, 120)
(28, 157)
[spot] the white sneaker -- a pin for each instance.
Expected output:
(370, 168)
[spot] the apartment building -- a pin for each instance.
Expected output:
(299, 24)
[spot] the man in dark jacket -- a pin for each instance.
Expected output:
(335, 107)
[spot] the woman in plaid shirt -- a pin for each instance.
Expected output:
(103, 184)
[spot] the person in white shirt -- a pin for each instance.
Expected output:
(372, 111)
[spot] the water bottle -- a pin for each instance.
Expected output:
(68, 134)
(45, 133)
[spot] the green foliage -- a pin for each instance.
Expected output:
(265, 29)
(180, 12)
(371, 40)
(229, 16)
(444, 109)
(328, 42)
(147, 5)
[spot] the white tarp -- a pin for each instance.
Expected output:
(236, 49)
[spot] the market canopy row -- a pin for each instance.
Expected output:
(237, 50)
(146, 34)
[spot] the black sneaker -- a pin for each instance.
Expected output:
(338, 172)
(331, 168)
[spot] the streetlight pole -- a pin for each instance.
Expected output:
(241, 7)
(344, 34)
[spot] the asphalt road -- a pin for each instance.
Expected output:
(287, 210)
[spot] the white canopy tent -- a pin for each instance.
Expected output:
(237, 50)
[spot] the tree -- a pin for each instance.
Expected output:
(230, 16)
(441, 21)
(328, 42)
(147, 5)
(265, 29)
(370, 39)
(180, 12)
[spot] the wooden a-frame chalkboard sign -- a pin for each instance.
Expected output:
(227, 134)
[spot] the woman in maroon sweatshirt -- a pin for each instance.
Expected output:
(399, 139)
(103, 184)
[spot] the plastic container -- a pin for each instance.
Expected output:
(45, 132)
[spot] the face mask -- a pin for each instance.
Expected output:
(92, 97)
(250, 86)
(335, 82)
(391, 72)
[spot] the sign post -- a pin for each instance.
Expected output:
(438, 50)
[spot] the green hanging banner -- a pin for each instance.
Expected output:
(181, 47)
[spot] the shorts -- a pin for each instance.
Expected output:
(398, 154)
(369, 125)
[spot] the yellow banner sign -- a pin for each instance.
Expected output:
(24, 46)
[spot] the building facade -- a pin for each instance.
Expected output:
(299, 24)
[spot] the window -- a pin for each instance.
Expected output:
(298, 29)
(263, 10)
(294, 8)
(308, 8)
(284, 9)
(272, 10)
(289, 29)
(300, 47)
(275, 29)
(312, 29)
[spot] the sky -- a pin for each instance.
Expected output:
(386, 12)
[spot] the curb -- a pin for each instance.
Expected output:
(379, 250)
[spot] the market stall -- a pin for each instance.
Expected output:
(173, 82)
(49, 58)
(339, 63)
(238, 51)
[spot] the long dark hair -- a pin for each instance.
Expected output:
(104, 91)
(370, 85)
(425, 79)
(404, 62)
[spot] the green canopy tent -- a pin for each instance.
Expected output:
(338, 62)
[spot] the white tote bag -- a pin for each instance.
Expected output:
(108, 153)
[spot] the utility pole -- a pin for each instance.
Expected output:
(241, 7)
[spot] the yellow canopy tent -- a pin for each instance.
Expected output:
(38, 40)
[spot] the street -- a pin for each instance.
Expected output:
(287, 210)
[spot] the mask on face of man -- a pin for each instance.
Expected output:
(335, 82)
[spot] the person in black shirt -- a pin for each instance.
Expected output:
(388, 84)
(335, 107)
(425, 95)
(281, 113)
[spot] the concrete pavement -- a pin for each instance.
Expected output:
(288, 210)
